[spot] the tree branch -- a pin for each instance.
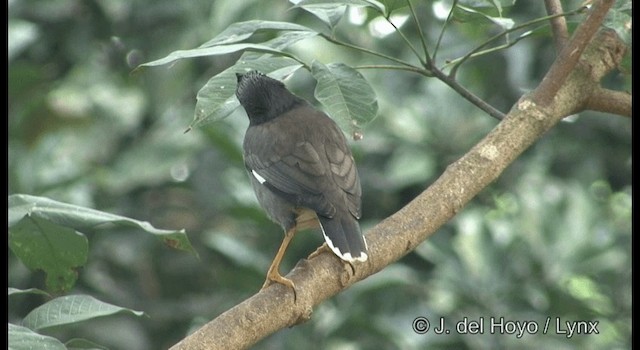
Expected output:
(570, 54)
(325, 275)
(558, 24)
(609, 101)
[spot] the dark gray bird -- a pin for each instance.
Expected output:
(301, 169)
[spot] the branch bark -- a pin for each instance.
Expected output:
(558, 24)
(324, 275)
(571, 53)
(609, 101)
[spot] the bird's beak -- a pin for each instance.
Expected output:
(239, 76)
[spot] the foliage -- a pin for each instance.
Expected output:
(551, 239)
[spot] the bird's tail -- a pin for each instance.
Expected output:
(342, 234)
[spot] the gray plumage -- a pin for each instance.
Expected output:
(300, 164)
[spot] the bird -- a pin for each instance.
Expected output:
(301, 169)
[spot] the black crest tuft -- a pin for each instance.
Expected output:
(263, 98)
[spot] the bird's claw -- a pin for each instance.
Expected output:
(321, 249)
(277, 278)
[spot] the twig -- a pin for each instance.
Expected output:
(444, 26)
(480, 103)
(406, 40)
(490, 50)
(510, 30)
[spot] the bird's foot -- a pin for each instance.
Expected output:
(321, 249)
(277, 278)
(349, 268)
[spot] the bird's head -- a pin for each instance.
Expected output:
(262, 97)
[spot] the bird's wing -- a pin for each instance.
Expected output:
(315, 171)
(297, 175)
(344, 173)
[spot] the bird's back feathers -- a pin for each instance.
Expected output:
(302, 158)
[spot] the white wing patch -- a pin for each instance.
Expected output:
(260, 179)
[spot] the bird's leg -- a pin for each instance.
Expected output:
(273, 275)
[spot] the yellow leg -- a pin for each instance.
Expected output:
(273, 275)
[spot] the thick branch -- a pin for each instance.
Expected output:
(610, 101)
(571, 53)
(324, 275)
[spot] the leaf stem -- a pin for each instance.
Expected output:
(423, 41)
(418, 70)
(503, 33)
(450, 81)
(406, 40)
(444, 27)
(365, 50)
(493, 49)
(480, 103)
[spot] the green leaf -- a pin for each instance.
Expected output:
(57, 250)
(216, 100)
(237, 32)
(18, 209)
(497, 4)
(22, 338)
(287, 39)
(79, 218)
(330, 14)
(211, 51)
(16, 291)
(503, 22)
(280, 42)
(378, 6)
(79, 343)
(71, 309)
(346, 95)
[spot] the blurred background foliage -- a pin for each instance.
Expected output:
(551, 238)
